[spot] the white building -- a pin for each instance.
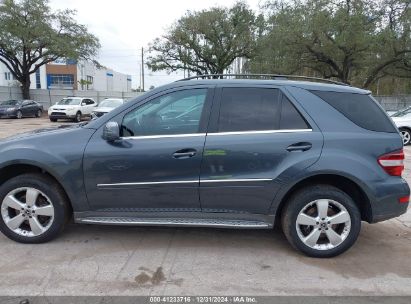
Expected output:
(73, 75)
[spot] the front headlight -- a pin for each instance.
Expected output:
(69, 109)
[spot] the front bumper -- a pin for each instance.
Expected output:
(8, 114)
(387, 206)
(62, 115)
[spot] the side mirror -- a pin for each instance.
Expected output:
(83, 104)
(111, 131)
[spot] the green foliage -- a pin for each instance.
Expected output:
(206, 42)
(354, 41)
(32, 35)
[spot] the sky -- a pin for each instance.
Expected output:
(125, 26)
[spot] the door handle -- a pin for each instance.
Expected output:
(184, 153)
(301, 146)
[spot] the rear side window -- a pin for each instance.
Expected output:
(249, 109)
(290, 117)
(360, 109)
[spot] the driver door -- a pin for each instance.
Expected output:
(155, 166)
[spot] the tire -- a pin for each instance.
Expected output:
(77, 118)
(303, 207)
(406, 136)
(48, 198)
(53, 119)
(19, 115)
(39, 113)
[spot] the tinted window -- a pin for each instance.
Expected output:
(249, 109)
(290, 117)
(360, 109)
(173, 113)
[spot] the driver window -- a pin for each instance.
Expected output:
(173, 113)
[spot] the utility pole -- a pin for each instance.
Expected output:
(142, 68)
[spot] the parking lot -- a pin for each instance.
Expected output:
(104, 260)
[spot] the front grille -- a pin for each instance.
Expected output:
(58, 113)
(99, 114)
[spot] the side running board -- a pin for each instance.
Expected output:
(217, 223)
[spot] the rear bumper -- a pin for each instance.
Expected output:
(387, 205)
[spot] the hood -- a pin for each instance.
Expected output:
(62, 107)
(402, 118)
(41, 131)
(103, 109)
(8, 106)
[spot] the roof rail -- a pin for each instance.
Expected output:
(262, 76)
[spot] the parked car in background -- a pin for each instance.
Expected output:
(74, 108)
(106, 106)
(399, 112)
(226, 153)
(402, 120)
(20, 108)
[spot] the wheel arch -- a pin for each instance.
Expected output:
(346, 184)
(12, 170)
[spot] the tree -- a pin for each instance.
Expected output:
(206, 42)
(391, 53)
(31, 35)
(354, 41)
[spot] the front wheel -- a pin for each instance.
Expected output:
(406, 136)
(321, 221)
(77, 118)
(19, 115)
(33, 208)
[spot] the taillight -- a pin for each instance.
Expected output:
(393, 162)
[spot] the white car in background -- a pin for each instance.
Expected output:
(74, 108)
(402, 120)
(106, 106)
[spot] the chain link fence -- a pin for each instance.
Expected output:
(394, 103)
(50, 97)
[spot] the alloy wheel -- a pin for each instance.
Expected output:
(27, 211)
(19, 115)
(406, 137)
(323, 224)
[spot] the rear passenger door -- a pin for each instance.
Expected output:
(256, 142)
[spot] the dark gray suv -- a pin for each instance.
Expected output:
(226, 153)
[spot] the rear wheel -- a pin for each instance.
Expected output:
(33, 208)
(406, 136)
(321, 221)
(39, 113)
(53, 119)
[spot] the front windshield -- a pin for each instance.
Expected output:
(9, 103)
(69, 101)
(110, 103)
(402, 112)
